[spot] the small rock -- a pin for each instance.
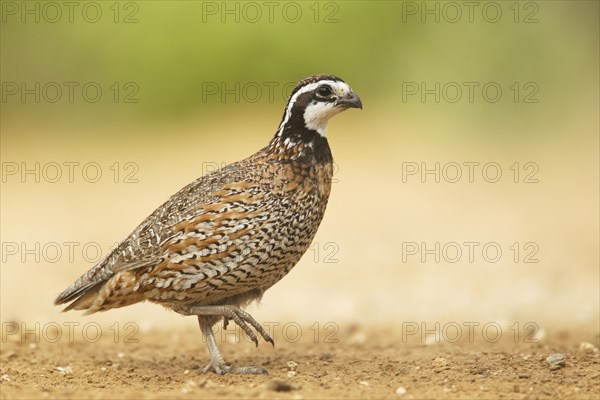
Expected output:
(325, 356)
(187, 371)
(439, 362)
(120, 354)
(292, 365)
(277, 385)
(291, 374)
(523, 376)
(32, 346)
(363, 383)
(5, 378)
(66, 370)
(556, 360)
(588, 347)
(400, 391)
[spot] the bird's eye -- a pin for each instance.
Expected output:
(324, 91)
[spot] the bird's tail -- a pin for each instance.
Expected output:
(84, 290)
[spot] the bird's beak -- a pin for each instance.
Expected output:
(351, 100)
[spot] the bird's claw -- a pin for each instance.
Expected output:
(242, 319)
(222, 369)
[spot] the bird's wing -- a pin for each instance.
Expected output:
(153, 240)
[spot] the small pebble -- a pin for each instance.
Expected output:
(66, 370)
(439, 362)
(291, 374)
(588, 347)
(292, 365)
(5, 378)
(400, 391)
(556, 360)
(120, 354)
(187, 371)
(363, 383)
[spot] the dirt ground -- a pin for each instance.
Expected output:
(352, 362)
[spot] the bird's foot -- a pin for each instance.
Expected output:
(222, 369)
(230, 313)
(242, 319)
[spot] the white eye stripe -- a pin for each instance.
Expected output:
(339, 85)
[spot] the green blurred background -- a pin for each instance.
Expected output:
(169, 53)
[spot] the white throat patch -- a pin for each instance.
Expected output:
(317, 115)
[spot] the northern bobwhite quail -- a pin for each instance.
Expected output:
(221, 241)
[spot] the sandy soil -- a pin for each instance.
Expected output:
(349, 363)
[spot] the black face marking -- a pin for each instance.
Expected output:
(294, 140)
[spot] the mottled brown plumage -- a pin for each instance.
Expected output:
(224, 239)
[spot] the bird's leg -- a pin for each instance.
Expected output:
(217, 363)
(208, 316)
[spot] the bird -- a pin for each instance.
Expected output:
(220, 242)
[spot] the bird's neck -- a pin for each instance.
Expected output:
(299, 144)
